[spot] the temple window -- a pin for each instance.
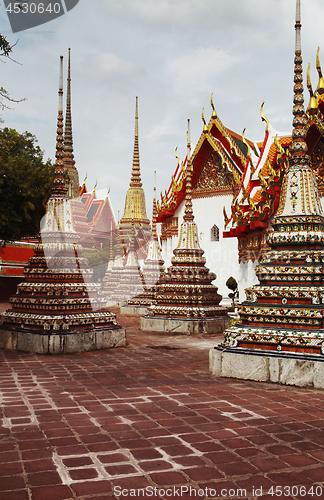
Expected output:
(214, 233)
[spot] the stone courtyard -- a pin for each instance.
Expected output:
(148, 420)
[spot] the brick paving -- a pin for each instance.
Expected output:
(111, 423)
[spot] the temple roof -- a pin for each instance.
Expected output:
(14, 257)
(255, 169)
(228, 145)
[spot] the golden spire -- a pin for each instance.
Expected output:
(312, 107)
(59, 189)
(135, 208)
(136, 173)
(320, 85)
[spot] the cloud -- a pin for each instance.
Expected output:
(109, 66)
(197, 70)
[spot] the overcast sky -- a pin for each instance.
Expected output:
(171, 53)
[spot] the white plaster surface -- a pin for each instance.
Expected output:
(221, 256)
(287, 371)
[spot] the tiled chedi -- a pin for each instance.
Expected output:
(57, 296)
(285, 311)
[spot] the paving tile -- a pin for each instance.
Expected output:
(39, 465)
(237, 469)
(203, 474)
(236, 443)
(37, 454)
(254, 483)
(9, 457)
(107, 446)
(44, 478)
(299, 460)
(10, 469)
(222, 457)
(130, 483)
(168, 478)
(249, 452)
(77, 461)
(14, 495)
(11, 483)
(91, 487)
(279, 449)
(268, 464)
(83, 474)
(291, 478)
(316, 474)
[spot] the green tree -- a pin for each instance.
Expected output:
(25, 185)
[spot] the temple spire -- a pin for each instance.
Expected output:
(188, 215)
(69, 162)
(135, 209)
(136, 173)
(299, 193)
(299, 146)
(59, 189)
(154, 211)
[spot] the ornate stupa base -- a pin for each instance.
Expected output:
(185, 326)
(301, 370)
(90, 339)
(268, 354)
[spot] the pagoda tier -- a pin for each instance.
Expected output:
(186, 293)
(186, 290)
(285, 311)
(56, 309)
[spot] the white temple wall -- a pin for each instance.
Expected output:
(221, 256)
(247, 277)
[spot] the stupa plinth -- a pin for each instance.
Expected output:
(57, 309)
(280, 337)
(186, 300)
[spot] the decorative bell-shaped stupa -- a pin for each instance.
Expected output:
(186, 300)
(281, 325)
(56, 309)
